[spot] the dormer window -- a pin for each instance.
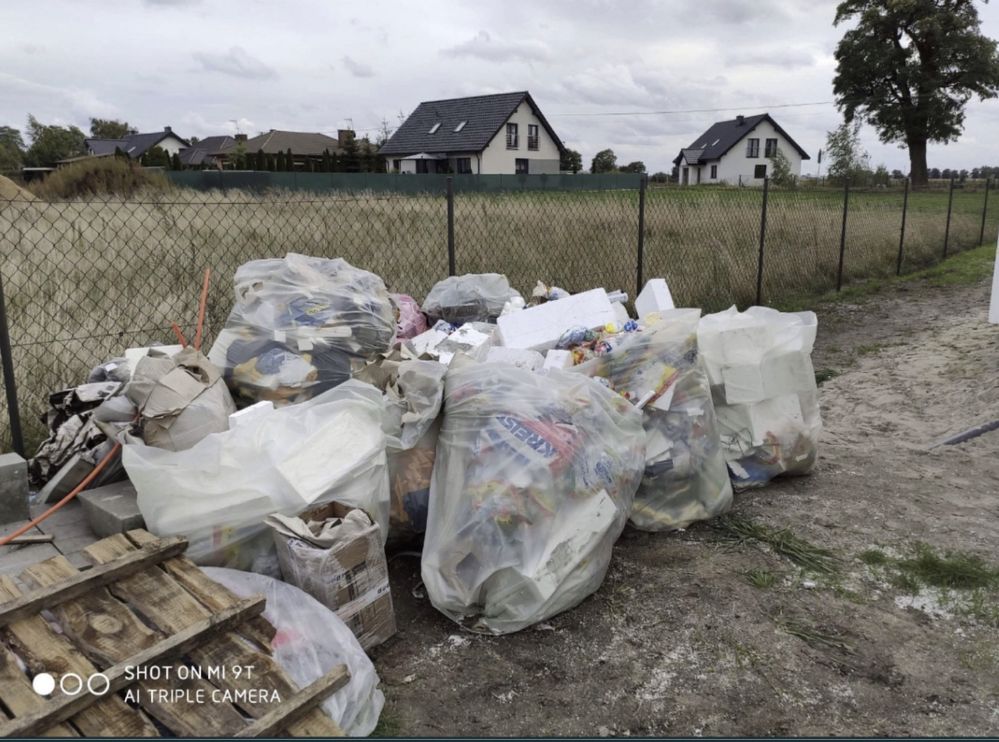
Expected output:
(434, 128)
(460, 126)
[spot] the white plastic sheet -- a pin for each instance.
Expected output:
(311, 640)
(217, 493)
(763, 385)
(534, 479)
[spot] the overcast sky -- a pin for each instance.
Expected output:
(217, 66)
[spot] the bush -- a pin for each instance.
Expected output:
(98, 177)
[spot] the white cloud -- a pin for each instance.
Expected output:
(357, 69)
(484, 46)
(236, 62)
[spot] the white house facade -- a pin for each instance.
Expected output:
(738, 152)
(503, 134)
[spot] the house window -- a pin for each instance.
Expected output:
(532, 136)
(521, 165)
(714, 172)
(463, 165)
(771, 148)
(752, 148)
(460, 126)
(760, 172)
(434, 128)
(511, 136)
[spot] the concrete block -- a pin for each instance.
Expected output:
(64, 480)
(13, 488)
(253, 412)
(539, 328)
(112, 509)
(530, 360)
(654, 297)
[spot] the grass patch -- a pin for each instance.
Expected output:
(388, 725)
(824, 374)
(781, 540)
(865, 350)
(761, 578)
(905, 583)
(954, 570)
(813, 635)
(873, 557)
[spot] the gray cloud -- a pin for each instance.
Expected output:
(357, 69)
(484, 46)
(171, 2)
(236, 62)
(787, 58)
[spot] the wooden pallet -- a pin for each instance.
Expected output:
(143, 605)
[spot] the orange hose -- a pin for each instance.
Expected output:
(73, 493)
(179, 333)
(201, 310)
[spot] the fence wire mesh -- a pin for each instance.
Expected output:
(84, 280)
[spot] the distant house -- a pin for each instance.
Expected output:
(135, 145)
(483, 134)
(206, 152)
(305, 146)
(738, 152)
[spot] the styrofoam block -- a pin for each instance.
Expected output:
(253, 412)
(788, 373)
(743, 384)
(558, 359)
(427, 342)
(654, 297)
(621, 311)
(539, 328)
(530, 360)
(752, 422)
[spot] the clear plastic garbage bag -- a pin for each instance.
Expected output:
(473, 297)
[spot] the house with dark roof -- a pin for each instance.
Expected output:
(206, 152)
(482, 134)
(135, 145)
(738, 152)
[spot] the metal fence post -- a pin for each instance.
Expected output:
(842, 236)
(10, 387)
(985, 210)
(950, 205)
(901, 236)
(641, 234)
(763, 239)
(451, 270)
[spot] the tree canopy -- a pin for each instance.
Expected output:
(572, 161)
(847, 158)
(909, 67)
(11, 149)
(604, 161)
(110, 129)
(781, 174)
(49, 144)
(634, 167)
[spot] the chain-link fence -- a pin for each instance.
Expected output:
(83, 280)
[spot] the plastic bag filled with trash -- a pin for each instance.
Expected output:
(473, 297)
(310, 641)
(534, 479)
(218, 492)
(766, 400)
(300, 326)
(657, 367)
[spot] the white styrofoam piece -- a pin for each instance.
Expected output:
(539, 328)
(994, 304)
(617, 297)
(427, 342)
(787, 373)
(621, 311)
(530, 360)
(558, 359)
(752, 422)
(253, 412)
(134, 355)
(654, 297)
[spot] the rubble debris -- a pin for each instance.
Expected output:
(112, 509)
(534, 479)
(335, 554)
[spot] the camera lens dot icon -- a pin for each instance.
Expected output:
(43, 683)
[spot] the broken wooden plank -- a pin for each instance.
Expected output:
(149, 591)
(61, 706)
(81, 583)
(299, 705)
(108, 632)
(44, 650)
(18, 695)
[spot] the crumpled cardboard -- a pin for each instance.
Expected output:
(181, 399)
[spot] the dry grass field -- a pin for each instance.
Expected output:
(86, 279)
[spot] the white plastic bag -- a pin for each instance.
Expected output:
(659, 367)
(533, 482)
(218, 492)
(300, 326)
(311, 640)
(766, 400)
(473, 297)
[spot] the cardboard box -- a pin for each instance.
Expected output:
(348, 573)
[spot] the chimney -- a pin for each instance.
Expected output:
(168, 130)
(740, 120)
(343, 134)
(240, 137)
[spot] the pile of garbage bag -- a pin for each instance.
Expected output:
(658, 368)
(301, 325)
(766, 400)
(533, 483)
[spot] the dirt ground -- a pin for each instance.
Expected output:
(679, 641)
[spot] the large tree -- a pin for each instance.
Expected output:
(634, 167)
(11, 149)
(909, 67)
(49, 144)
(604, 161)
(110, 129)
(848, 160)
(571, 161)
